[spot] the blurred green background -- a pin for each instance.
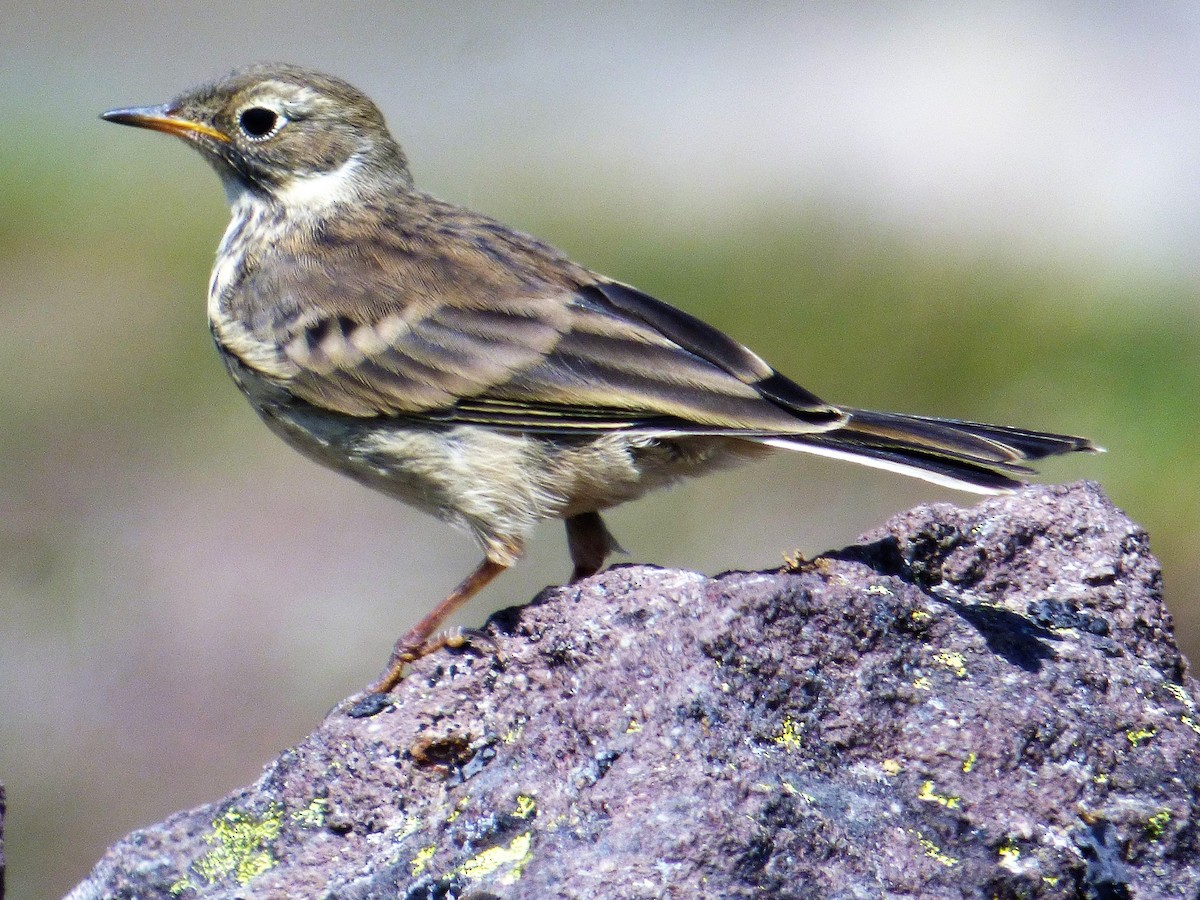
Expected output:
(986, 211)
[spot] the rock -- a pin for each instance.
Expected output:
(968, 702)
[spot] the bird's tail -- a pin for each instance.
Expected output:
(972, 456)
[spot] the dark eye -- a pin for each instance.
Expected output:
(259, 122)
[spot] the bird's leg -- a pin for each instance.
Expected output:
(590, 544)
(416, 642)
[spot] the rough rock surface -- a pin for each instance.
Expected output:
(982, 702)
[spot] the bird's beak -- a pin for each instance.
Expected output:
(160, 118)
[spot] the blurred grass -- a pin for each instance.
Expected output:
(104, 357)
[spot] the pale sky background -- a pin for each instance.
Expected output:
(1070, 128)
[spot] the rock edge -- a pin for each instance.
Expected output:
(967, 702)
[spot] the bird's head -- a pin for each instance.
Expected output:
(290, 133)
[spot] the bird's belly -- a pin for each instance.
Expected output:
(496, 484)
(463, 475)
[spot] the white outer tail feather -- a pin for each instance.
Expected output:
(913, 471)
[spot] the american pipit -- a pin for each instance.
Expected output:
(438, 356)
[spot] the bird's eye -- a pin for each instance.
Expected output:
(258, 122)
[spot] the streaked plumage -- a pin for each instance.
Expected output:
(440, 357)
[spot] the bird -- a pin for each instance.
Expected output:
(471, 370)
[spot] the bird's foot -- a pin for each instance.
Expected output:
(405, 652)
(408, 650)
(421, 640)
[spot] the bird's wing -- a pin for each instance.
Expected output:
(411, 364)
(477, 333)
(631, 361)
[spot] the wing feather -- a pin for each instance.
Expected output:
(449, 316)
